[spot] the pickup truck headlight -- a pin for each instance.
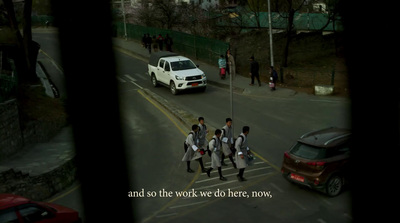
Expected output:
(203, 76)
(179, 78)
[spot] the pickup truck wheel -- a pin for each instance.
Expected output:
(173, 89)
(154, 80)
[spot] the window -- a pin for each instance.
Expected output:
(308, 152)
(8, 216)
(32, 212)
(161, 63)
(167, 68)
(183, 65)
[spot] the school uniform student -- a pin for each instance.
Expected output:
(215, 147)
(242, 150)
(192, 151)
(202, 134)
(227, 142)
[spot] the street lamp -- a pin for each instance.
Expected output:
(270, 34)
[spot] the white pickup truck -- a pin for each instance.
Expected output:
(176, 72)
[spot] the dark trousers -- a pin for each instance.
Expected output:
(258, 78)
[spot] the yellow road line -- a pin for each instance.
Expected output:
(263, 159)
(163, 111)
(64, 194)
(196, 176)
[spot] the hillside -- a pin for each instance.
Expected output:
(312, 59)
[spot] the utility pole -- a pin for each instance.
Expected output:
(270, 34)
(123, 15)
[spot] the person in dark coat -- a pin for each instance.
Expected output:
(254, 71)
(273, 78)
(168, 43)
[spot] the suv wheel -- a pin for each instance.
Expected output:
(154, 80)
(173, 89)
(334, 186)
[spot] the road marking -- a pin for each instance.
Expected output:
(252, 170)
(263, 159)
(186, 205)
(130, 78)
(276, 187)
(321, 220)
(299, 205)
(143, 77)
(64, 194)
(163, 111)
(121, 80)
(137, 85)
(166, 215)
(195, 177)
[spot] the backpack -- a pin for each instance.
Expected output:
(233, 149)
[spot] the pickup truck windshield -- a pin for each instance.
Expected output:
(182, 65)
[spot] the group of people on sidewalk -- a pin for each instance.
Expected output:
(226, 64)
(157, 43)
(220, 146)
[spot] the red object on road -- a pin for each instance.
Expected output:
(14, 208)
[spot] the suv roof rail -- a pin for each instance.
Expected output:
(312, 132)
(336, 138)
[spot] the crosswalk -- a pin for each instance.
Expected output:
(211, 189)
(128, 78)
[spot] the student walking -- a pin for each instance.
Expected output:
(192, 151)
(215, 147)
(227, 142)
(202, 135)
(242, 152)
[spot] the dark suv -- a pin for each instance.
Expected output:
(319, 160)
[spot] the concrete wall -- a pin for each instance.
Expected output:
(11, 140)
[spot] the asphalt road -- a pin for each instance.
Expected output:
(154, 139)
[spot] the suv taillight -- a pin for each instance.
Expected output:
(286, 155)
(318, 164)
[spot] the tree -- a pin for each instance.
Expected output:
(287, 9)
(257, 6)
(25, 57)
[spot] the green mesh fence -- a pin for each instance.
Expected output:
(198, 47)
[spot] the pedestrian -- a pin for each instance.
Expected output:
(242, 152)
(202, 135)
(168, 43)
(215, 147)
(154, 44)
(273, 78)
(148, 42)
(227, 142)
(222, 66)
(192, 151)
(254, 71)
(144, 40)
(231, 63)
(160, 41)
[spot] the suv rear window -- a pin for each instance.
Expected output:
(308, 152)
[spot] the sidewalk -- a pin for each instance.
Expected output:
(240, 83)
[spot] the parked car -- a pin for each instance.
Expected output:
(17, 209)
(176, 72)
(319, 160)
